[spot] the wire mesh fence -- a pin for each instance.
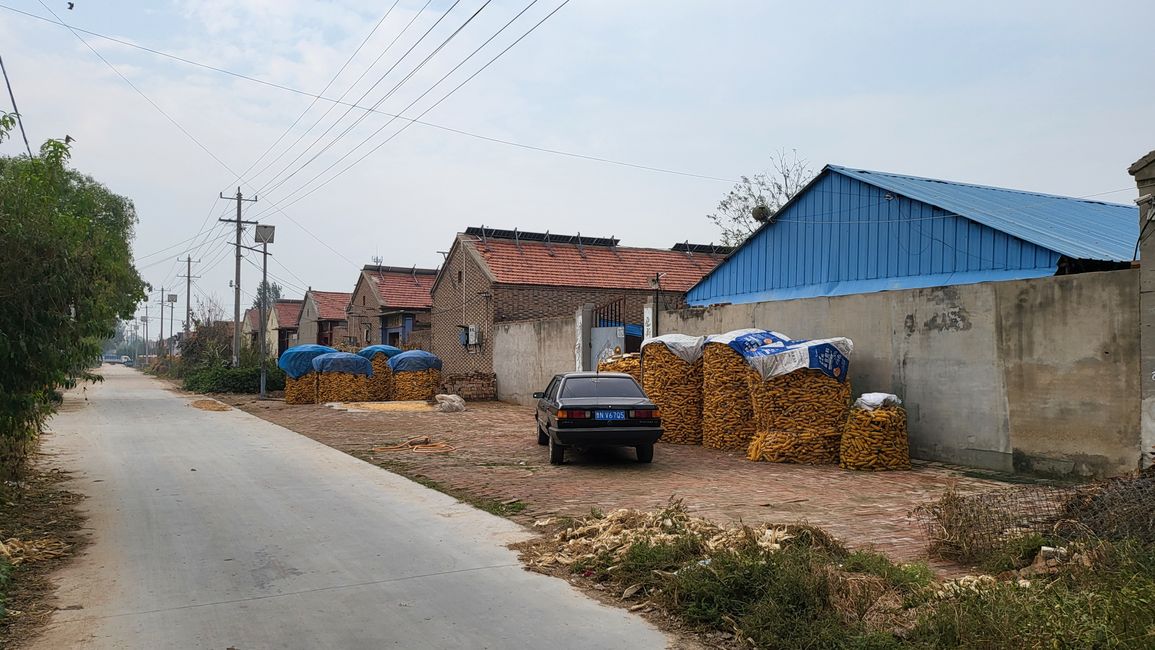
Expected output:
(966, 528)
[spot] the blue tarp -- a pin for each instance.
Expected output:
(631, 330)
(373, 350)
(343, 362)
(298, 360)
(414, 361)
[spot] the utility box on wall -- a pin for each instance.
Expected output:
(469, 335)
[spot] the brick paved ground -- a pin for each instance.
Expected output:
(497, 457)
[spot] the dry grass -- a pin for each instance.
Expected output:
(210, 405)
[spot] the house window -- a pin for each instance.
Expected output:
(362, 301)
(459, 277)
(368, 335)
(395, 339)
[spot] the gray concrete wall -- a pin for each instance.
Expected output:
(527, 354)
(1042, 374)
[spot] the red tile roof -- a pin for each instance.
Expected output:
(253, 318)
(601, 267)
(331, 305)
(287, 313)
(404, 289)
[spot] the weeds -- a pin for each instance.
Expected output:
(5, 568)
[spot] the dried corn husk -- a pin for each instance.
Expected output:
(342, 387)
(630, 364)
(876, 439)
(381, 382)
(727, 414)
(416, 385)
(675, 386)
(302, 390)
(799, 417)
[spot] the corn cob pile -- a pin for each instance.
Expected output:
(727, 416)
(876, 439)
(675, 386)
(342, 387)
(302, 390)
(416, 384)
(630, 364)
(381, 383)
(799, 417)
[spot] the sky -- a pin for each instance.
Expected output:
(1039, 96)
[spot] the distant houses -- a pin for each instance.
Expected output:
(391, 305)
(323, 319)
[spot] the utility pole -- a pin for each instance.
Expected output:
(264, 236)
(237, 282)
(145, 321)
(188, 278)
(160, 341)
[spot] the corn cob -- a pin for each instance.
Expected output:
(675, 386)
(876, 440)
(416, 385)
(799, 417)
(302, 390)
(727, 414)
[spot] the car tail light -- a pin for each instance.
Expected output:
(645, 414)
(572, 414)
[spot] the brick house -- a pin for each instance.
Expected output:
(251, 328)
(323, 319)
(281, 331)
(391, 305)
(494, 276)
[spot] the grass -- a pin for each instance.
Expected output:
(5, 569)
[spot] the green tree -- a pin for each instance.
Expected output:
(66, 280)
(756, 199)
(269, 292)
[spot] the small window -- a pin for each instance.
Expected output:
(362, 301)
(551, 390)
(459, 276)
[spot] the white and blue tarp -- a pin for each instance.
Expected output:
(373, 350)
(414, 361)
(343, 362)
(781, 356)
(297, 361)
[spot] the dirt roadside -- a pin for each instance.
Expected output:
(41, 528)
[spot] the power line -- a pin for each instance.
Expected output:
(318, 97)
(366, 93)
(16, 111)
(422, 95)
(432, 125)
(431, 107)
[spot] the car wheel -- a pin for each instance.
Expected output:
(645, 453)
(542, 437)
(556, 453)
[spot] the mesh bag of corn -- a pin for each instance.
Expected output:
(800, 396)
(672, 378)
(342, 377)
(381, 381)
(631, 364)
(727, 414)
(416, 375)
(875, 437)
(300, 380)
(302, 390)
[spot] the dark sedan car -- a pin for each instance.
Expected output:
(585, 409)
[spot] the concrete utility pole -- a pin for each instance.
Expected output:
(237, 282)
(264, 236)
(145, 321)
(160, 341)
(188, 278)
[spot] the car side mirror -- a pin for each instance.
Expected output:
(538, 395)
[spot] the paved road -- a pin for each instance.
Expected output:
(219, 530)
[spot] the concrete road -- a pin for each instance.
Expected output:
(220, 530)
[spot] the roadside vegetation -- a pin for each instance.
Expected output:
(68, 279)
(793, 586)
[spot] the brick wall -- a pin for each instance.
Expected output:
(363, 310)
(521, 303)
(459, 299)
(479, 386)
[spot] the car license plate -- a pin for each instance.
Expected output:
(609, 415)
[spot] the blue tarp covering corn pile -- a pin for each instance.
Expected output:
(297, 361)
(415, 361)
(373, 350)
(342, 362)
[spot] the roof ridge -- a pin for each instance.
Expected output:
(873, 172)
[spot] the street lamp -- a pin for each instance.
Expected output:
(263, 236)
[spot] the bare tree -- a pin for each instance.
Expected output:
(756, 199)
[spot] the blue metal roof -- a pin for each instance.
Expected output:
(1073, 227)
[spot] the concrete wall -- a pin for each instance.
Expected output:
(527, 354)
(1036, 375)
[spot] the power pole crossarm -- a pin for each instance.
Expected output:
(237, 281)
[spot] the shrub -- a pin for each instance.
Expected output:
(233, 380)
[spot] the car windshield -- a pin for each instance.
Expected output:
(601, 387)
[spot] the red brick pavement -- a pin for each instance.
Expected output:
(497, 457)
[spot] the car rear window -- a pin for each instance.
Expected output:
(601, 387)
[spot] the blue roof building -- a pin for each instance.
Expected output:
(858, 231)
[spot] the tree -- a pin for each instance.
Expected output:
(66, 280)
(270, 293)
(765, 192)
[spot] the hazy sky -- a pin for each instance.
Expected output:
(1044, 96)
